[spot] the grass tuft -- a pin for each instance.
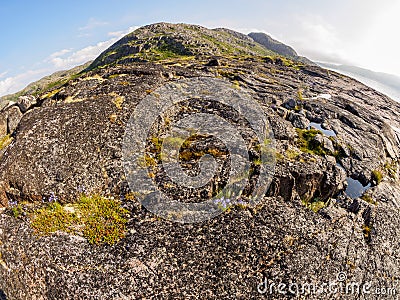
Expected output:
(100, 219)
(307, 143)
(5, 141)
(377, 176)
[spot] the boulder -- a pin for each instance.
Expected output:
(298, 120)
(290, 104)
(283, 130)
(26, 102)
(213, 63)
(325, 142)
(282, 112)
(14, 116)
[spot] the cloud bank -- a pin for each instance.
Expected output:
(59, 60)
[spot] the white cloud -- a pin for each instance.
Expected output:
(62, 61)
(92, 24)
(60, 53)
(80, 56)
(317, 39)
(82, 35)
(121, 33)
(378, 49)
(59, 60)
(13, 84)
(246, 30)
(3, 74)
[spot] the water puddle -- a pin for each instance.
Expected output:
(319, 127)
(355, 189)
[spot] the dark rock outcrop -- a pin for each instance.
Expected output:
(276, 46)
(26, 102)
(14, 115)
(298, 120)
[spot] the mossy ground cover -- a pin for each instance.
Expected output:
(5, 141)
(99, 219)
(307, 143)
(377, 176)
(314, 204)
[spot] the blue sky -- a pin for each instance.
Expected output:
(41, 37)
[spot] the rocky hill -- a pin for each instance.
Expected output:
(72, 227)
(48, 82)
(161, 41)
(278, 47)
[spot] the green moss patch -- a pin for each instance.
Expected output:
(377, 176)
(99, 219)
(391, 168)
(53, 218)
(314, 204)
(368, 198)
(307, 143)
(104, 219)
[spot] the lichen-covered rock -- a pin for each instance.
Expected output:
(14, 115)
(26, 102)
(325, 142)
(298, 120)
(3, 124)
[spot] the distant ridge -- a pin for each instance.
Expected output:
(278, 47)
(385, 83)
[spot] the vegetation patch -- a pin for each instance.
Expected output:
(279, 156)
(314, 204)
(291, 154)
(50, 94)
(95, 77)
(17, 210)
(367, 232)
(103, 219)
(5, 141)
(377, 176)
(54, 87)
(118, 100)
(72, 99)
(307, 143)
(164, 51)
(52, 218)
(227, 74)
(391, 168)
(117, 75)
(290, 63)
(99, 219)
(368, 198)
(300, 94)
